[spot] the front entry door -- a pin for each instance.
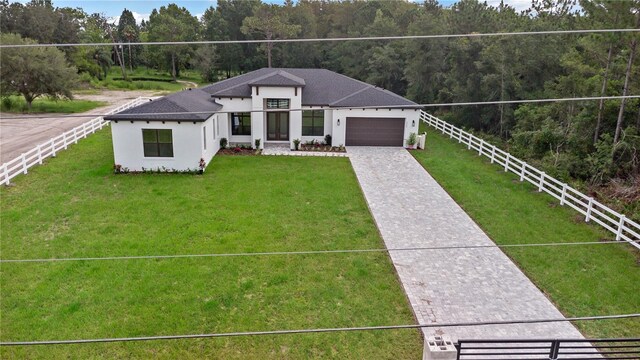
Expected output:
(278, 126)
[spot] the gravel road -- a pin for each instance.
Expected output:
(20, 135)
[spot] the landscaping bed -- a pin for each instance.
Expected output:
(239, 205)
(318, 146)
(239, 151)
(321, 148)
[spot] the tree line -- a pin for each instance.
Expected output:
(591, 141)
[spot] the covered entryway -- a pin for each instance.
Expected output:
(362, 131)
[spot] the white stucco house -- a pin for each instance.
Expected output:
(273, 105)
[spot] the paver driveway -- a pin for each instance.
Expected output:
(470, 285)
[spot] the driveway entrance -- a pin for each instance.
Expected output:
(456, 285)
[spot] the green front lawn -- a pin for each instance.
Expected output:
(580, 280)
(74, 206)
(17, 104)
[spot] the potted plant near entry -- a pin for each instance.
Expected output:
(296, 144)
(201, 165)
(411, 142)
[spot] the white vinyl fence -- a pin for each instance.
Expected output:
(623, 228)
(22, 163)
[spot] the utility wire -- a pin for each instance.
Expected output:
(309, 331)
(408, 107)
(309, 252)
(366, 38)
(531, 101)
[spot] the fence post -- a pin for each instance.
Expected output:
(493, 153)
(40, 154)
(53, 148)
(555, 349)
(481, 145)
(620, 226)
(506, 163)
(5, 173)
(588, 217)
(459, 136)
(524, 165)
(564, 193)
(75, 134)
(541, 184)
(64, 138)
(469, 138)
(24, 163)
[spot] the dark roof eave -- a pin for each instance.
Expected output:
(273, 85)
(153, 118)
(231, 96)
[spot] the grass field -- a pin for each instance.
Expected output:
(580, 280)
(142, 78)
(74, 206)
(17, 104)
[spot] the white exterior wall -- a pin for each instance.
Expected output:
(188, 144)
(411, 116)
(215, 126)
(234, 105)
(258, 119)
(258, 122)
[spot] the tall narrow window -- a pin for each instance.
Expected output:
(313, 123)
(241, 123)
(157, 142)
(277, 103)
(204, 137)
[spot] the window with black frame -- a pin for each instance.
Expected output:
(157, 142)
(277, 103)
(241, 124)
(313, 123)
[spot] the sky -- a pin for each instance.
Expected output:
(142, 8)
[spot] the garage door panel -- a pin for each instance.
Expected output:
(374, 131)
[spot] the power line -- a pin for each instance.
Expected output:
(415, 106)
(531, 101)
(309, 331)
(309, 252)
(370, 38)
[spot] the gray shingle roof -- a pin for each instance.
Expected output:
(278, 78)
(321, 88)
(194, 100)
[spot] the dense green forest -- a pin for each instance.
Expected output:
(593, 144)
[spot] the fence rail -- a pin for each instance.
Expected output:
(35, 156)
(548, 349)
(623, 228)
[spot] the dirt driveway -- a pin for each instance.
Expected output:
(20, 135)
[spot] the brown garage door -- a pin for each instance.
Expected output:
(375, 131)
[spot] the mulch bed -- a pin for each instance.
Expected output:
(321, 148)
(238, 152)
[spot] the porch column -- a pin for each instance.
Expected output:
(295, 126)
(257, 128)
